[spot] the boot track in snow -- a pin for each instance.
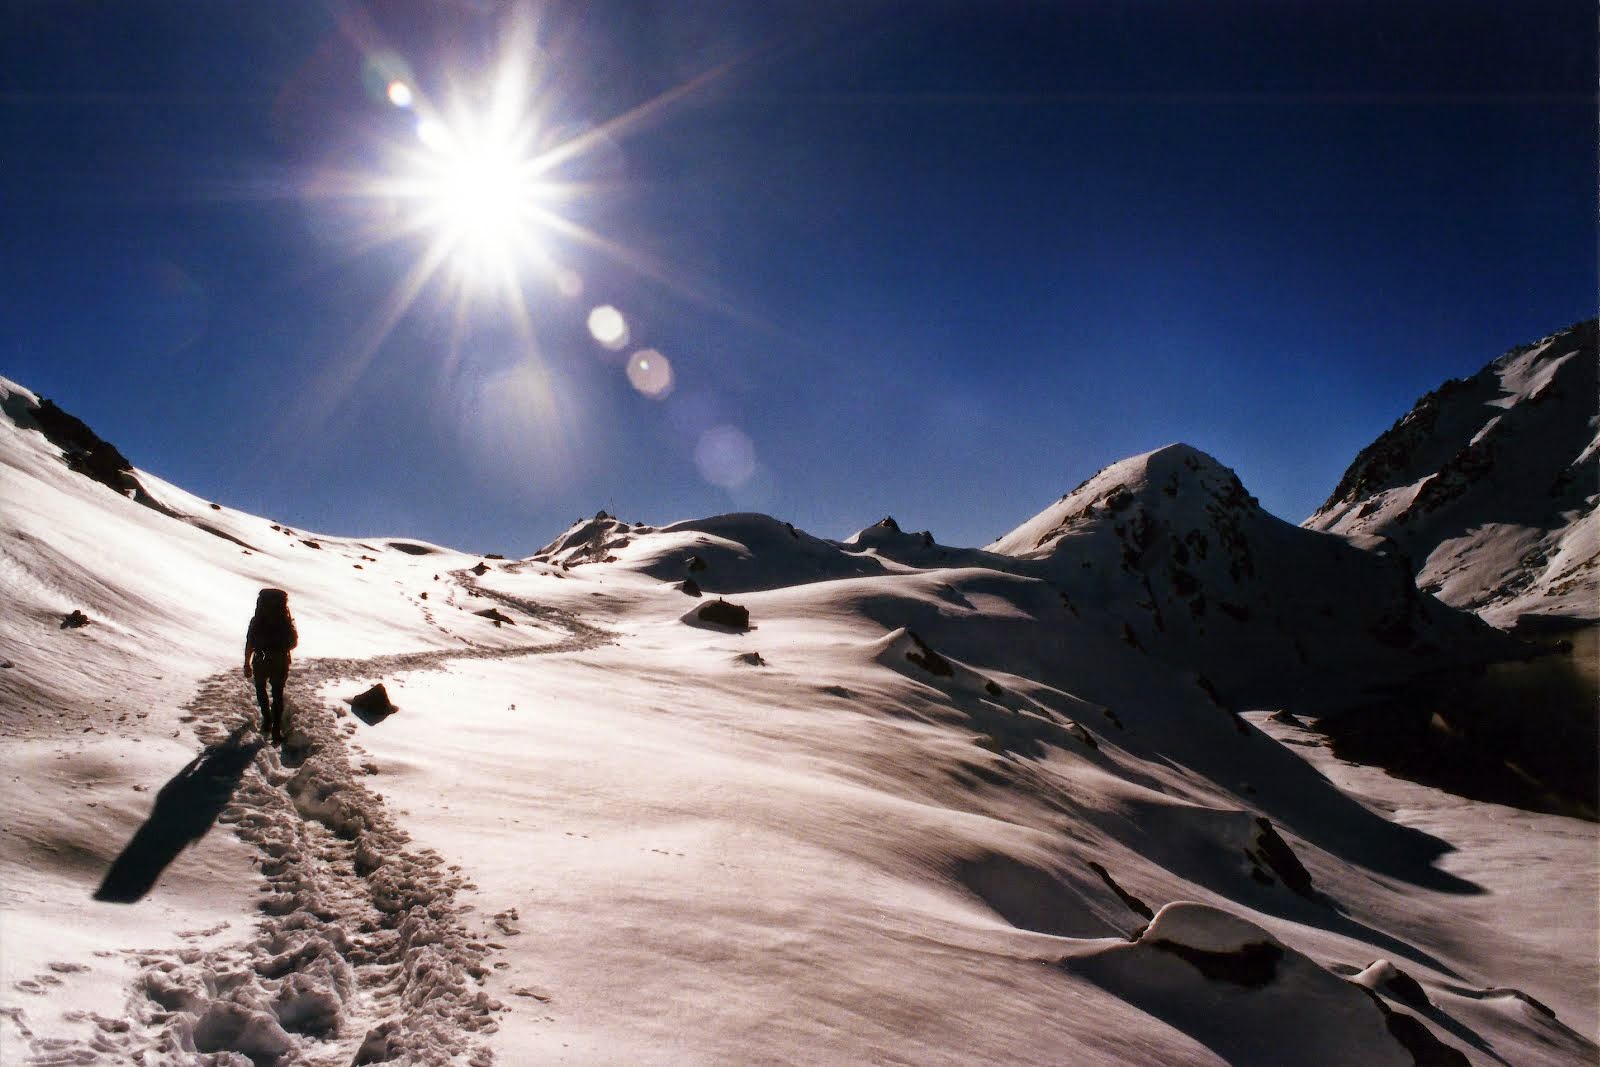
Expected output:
(362, 954)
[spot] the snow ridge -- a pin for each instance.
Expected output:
(1489, 485)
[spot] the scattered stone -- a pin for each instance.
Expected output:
(495, 615)
(6, 665)
(74, 619)
(310, 543)
(752, 658)
(725, 613)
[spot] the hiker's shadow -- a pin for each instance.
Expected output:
(185, 808)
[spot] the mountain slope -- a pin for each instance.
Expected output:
(1489, 486)
(1174, 545)
(928, 804)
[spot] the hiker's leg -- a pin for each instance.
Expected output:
(280, 720)
(261, 698)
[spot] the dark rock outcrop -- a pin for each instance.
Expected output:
(721, 612)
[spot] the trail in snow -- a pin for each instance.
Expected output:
(363, 953)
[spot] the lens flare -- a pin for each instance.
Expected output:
(726, 457)
(651, 373)
(607, 326)
(475, 172)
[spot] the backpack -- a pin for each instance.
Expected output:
(272, 628)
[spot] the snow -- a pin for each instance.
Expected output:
(932, 806)
(1490, 485)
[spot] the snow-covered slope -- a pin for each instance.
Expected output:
(1174, 546)
(922, 804)
(1489, 486)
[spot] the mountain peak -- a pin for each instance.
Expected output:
(1168, 480)
(1488, 484)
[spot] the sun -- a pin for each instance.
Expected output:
(477, 195)
(477, 177)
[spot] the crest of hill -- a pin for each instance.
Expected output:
(1172, 544)
(1167, 551)
(1489, 485)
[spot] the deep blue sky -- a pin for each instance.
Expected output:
(940, 260)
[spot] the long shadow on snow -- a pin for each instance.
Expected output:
(185, 808)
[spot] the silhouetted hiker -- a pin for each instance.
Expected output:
(266, 654)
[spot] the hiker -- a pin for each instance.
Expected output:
(266, 656)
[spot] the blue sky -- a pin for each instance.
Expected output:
(939, 260)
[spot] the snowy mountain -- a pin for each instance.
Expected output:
(722, 791)
(1489, 484)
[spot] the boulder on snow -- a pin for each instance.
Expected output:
(721, 612)
(373, 706)
(689, 586)
(74, 619)
(481, 569)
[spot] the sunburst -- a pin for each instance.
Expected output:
(475, 186)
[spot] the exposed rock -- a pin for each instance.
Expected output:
(724, 613)
(928, 659)
(1274, 851)
(1134, 903)
(689, 586)
(74, 619)
(373, 705)
(694, 564)
(481, 569)
(496, 616)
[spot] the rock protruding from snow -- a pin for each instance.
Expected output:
(1489, 485)
(725, 613)
(586, 541)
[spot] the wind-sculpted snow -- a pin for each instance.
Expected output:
(588, 825)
